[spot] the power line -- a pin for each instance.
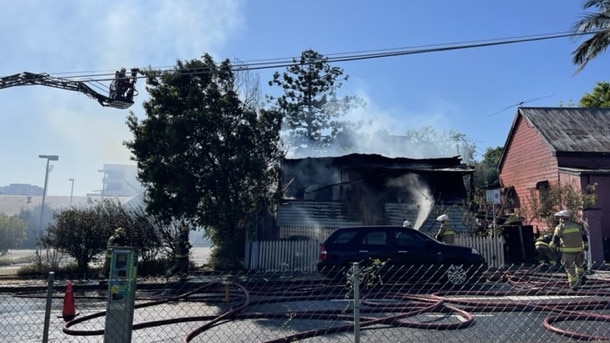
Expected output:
(521, 103)
(343, 57)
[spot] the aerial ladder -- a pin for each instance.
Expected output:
(120, 95)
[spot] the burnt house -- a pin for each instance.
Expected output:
(561, 145)
(371, 189)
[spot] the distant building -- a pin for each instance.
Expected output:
(120, 180)
(21, 189)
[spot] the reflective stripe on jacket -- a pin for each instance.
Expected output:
(446, 230)
(449, 232)
(571, 238)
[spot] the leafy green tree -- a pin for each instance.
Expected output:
(600, 97)
(205, 157)
(31, 217)
(311, 107)
(486, 177)
(544, 203)
(77, 232)
(486, 171)
(598, 22)
(12, 232)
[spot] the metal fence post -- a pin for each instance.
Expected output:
(356, 287)
(47, 311)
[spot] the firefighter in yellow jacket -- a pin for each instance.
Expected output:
(572, 242)
(118, 238)
(545, 253)
(445, 233)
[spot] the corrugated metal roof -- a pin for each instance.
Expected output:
(571, 129)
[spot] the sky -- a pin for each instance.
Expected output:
(473, 91)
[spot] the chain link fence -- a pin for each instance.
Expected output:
(510, 304)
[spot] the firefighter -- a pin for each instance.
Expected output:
(445, 233)
(545, 253)
(181, 254)
(122, 83)
(571, 240)
(118, 238)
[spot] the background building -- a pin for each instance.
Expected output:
(120, 180)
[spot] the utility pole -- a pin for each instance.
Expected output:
(49, 158)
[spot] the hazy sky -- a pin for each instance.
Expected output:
(463, 90)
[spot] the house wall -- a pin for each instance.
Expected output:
(527, 161)
(597, 218)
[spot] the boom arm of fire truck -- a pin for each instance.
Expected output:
(122, 88)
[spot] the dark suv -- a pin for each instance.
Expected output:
(404, 255)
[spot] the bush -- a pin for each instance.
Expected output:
(145, 268)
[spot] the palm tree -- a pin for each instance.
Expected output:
(596, 23)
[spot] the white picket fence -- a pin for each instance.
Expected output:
(302, 255)
(283, 256)
(492, 249)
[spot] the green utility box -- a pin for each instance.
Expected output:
(121, 295)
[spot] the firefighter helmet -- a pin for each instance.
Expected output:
(407, 223)
(563, 213)
(442, 218)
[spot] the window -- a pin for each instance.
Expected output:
(375, 238)
(403, 239)
(344, 237)
(542, 185)
(408, 238)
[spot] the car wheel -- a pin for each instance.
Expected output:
(456, 275)
(349, 275)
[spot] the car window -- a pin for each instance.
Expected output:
(409, 238)
(343, 237)
(375, 238)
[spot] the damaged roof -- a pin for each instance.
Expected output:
(570, 129)
(374, 161)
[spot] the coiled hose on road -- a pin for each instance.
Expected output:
(382, 306)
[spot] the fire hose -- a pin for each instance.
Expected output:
(544, 292)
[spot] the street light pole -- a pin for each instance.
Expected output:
(71, 190)
(103, 182)
(44, 190)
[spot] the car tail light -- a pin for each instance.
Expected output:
(323, 252)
